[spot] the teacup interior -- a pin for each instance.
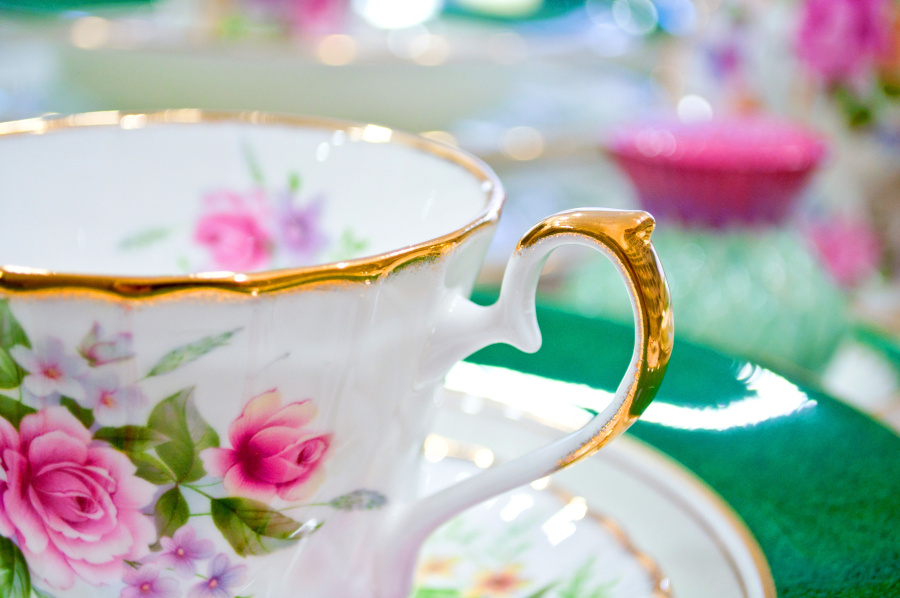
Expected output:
(167, 198)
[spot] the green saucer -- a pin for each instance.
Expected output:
(816, 481)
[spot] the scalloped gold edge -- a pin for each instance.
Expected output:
(365, 270)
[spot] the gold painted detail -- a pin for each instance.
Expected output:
(364, 270)
(456, 449)
(360, 271)
(625, 237)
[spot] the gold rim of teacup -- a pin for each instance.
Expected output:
(365, 270)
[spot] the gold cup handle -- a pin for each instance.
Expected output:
(624, 237)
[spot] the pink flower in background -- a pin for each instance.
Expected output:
(273, 451)
(234, 230)
(299, 229)
(222, 579)
(146, 583)
(112, 404)
(100, 350)
(849, 249)
(317, 16)
(839, 40)
(75, 503)
(50, 369)
(182, 550)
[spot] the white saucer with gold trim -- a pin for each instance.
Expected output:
(534, 541)
(687, 540)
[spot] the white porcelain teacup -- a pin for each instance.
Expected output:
(221, 338)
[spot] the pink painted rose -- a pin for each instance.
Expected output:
(74, 504)
(274, 453)
(839, 40)
(234, 230)
(9, 444)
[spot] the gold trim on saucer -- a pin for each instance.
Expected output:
(365, 270)
(661, 584)
(724, 509)
(567, 416)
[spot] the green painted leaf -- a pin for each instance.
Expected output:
(253, 166)
(144, 239)
(171, 512)
(130, 439)
(252, 528)
(295, 182)
(604, 590)
(11, 332)
(187, 433)
(15, 581)
(543, 591)
(151, 469)
(577, 586)
(358, 500)
(11, 375)
(13, 411)
(190, 352)
(437, 593)
(349, 246)
(82, 414)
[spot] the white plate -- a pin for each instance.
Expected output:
(529, 542)
(691, 534)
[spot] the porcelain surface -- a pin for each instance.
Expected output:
(529, 542)
(223, 195)
(696, 542)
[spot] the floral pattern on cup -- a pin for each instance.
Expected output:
(481, 554)
(94, 475)
(72, 506)
(260, 227)
(273, 451)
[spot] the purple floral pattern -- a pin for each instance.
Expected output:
(241, 230)
(93, 473)
(257, 229)
(182, 551)
(264, 228)
(298, 227)
(221, 581)
(50, 370)
(112, 402)
(99, 349)
(147, 583)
